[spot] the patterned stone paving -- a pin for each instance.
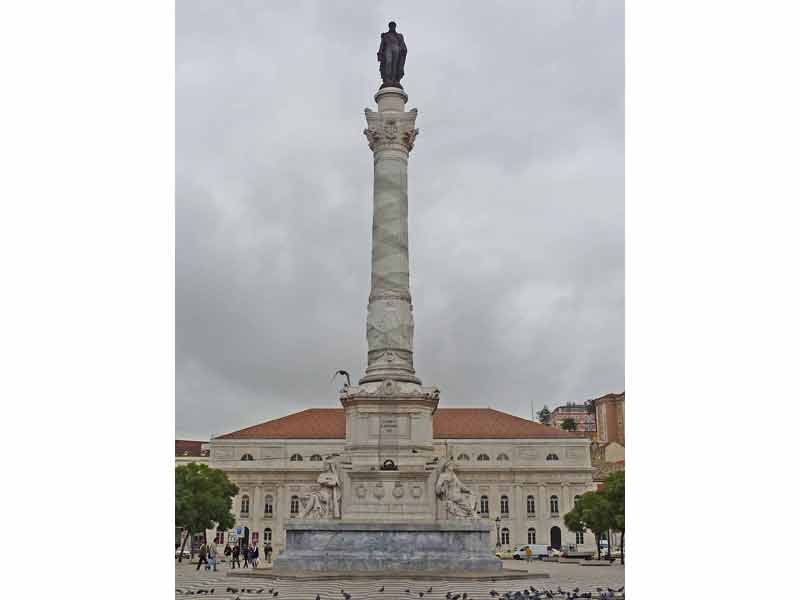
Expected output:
(188, 582)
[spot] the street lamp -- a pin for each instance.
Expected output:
(497, 522)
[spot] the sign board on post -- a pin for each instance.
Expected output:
(232, 538)
(239, 532)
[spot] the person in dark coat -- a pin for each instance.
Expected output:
(268, 552)
(235, 557)
(203, 556)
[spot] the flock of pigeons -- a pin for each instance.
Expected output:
(530, 593)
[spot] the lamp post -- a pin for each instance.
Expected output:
(497, 522)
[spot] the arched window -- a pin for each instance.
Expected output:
(554, 504)
(296, 457)
(267, 535)
(483, 457)
(502, 456)
(268, 506)
(504, 505)
(505, 535)
(531, 505)
(247, 457)
(484, 505)
(463, 456)
(245, 504)
(531, 535)
(315, 457)
(578, 537)
(552, 456)
(294, 505)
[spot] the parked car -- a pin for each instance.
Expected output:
(186, 553)
(504, 554)
(537, 551)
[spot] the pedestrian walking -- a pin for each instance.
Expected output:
(212, 556)
(203, 556)
(268, 552)
(245, 556)
(255, 556)
(235, 557)
(227, 552)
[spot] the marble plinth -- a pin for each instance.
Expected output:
(435, 547)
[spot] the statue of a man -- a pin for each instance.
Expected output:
(392, 56)
(326, 502)
(458, 498)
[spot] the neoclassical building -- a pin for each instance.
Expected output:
(525, 475)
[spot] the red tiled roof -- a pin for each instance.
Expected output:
(189, 448)
(329, 423)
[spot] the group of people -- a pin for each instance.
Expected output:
(242, 557)
(246, 556)
(208, 556)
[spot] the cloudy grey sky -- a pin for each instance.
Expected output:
(516, 202)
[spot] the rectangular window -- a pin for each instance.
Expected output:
(504, 536)
(579, 537)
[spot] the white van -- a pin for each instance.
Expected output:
(537, 551)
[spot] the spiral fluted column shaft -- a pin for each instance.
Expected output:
(390, 323)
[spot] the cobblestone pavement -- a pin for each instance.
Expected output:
(567, 576)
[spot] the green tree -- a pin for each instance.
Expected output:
(569, 424)
(592, 511)
(614, 491)
(203, 499)
(544, 415)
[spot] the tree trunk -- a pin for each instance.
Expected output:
(622, 547)
(608, 552)
(597, 541)
(183, 545)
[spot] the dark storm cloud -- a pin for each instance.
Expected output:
(515, 200)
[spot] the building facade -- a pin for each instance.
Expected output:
(524, 475)
(582, 414)
(610, 414)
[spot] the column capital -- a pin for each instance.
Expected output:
(391, 130)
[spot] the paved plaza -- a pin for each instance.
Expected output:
(567, 576)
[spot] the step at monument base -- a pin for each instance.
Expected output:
(445, 546)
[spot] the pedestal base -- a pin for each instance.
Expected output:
(341, 546)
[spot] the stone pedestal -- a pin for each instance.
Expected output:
(432, 547)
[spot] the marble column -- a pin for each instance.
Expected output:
(280, 510)
(390, 324)
(519, 510)
(543, 515)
